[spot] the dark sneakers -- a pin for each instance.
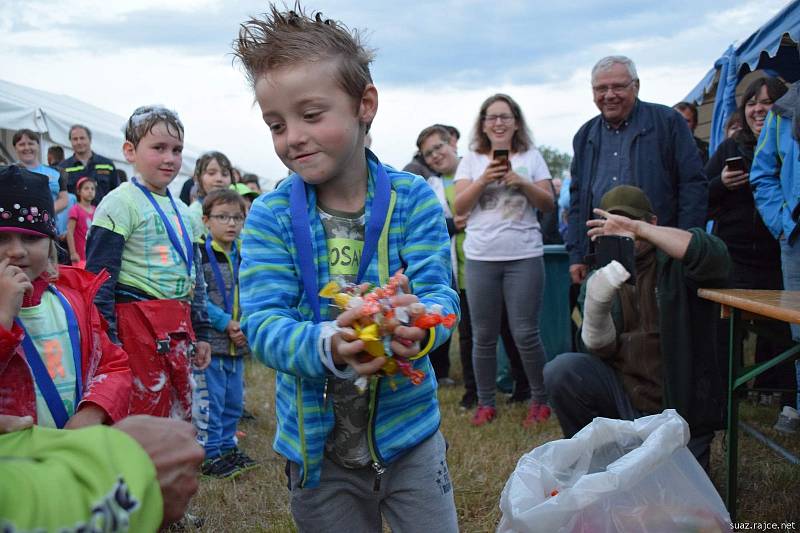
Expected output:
(220, 467)
(229, 465)
(242, 461)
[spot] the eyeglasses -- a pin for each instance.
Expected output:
(504, 119)
(436, 148)
(227, 219)
(617, 88)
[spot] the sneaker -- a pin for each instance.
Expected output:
(537, 413)
(788, 421)
(247, 415)
(483, 415)
(469, 400)
(186, 522)
(242, 460)
(220, 467)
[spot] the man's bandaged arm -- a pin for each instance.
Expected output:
(598, 329)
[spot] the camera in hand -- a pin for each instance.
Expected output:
(616, 248)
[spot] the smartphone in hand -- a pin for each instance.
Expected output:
(735, 164)
(502, 156)
(616, 248)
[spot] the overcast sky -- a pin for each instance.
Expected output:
(435, 61)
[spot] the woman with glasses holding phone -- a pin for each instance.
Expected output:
(499, 185)
(755, 254)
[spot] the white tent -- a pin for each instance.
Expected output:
(51, 115)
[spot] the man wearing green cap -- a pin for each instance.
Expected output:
(650, 345)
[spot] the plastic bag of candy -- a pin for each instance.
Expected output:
(614, 476)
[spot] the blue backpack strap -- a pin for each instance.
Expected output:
(186, 255)
(227, 302)
(377, 216)
(301, 228)
(40, 373)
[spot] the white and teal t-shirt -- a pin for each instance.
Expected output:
(150, 262)
(46, 324)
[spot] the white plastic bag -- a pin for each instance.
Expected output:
(614, 476)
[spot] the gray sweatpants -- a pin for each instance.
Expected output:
(414, 494)
(520, 285)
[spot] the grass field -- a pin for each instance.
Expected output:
(480, 462)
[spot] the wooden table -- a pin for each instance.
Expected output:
(741, 305)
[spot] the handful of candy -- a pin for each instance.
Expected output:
(378, 318)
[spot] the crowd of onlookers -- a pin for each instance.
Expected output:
(170, 295)
(642, 161)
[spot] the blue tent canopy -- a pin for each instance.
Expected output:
(767, 49)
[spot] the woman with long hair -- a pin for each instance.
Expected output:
(755, 254)
(499, 185)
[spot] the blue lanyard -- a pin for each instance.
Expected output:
(212, 258)
(40, 373)
(301, 228)
(188, 256)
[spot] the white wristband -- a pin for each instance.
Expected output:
(324, 349)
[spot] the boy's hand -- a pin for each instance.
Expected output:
(89, 415)
(234, 331)
(406, 339)
(460, 221)
(176, 455)
(347, 349)
(202, 355)
(14, 283)
(74, 258)
(10, 423)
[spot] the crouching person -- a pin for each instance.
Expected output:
(649, 345)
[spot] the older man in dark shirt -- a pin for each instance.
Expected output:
(634, 143)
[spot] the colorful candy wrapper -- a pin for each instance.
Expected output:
(378, 319)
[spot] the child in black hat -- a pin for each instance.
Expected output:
(57, 365)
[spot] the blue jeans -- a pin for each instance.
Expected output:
(218, 401)
(790, 262)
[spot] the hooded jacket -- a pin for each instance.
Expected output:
(278, 319)
(775, 176)
(221, 343)
(104, 365)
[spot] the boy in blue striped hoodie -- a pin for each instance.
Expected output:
(353, 458)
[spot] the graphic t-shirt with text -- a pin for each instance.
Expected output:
(150, 263)
(347, 444)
